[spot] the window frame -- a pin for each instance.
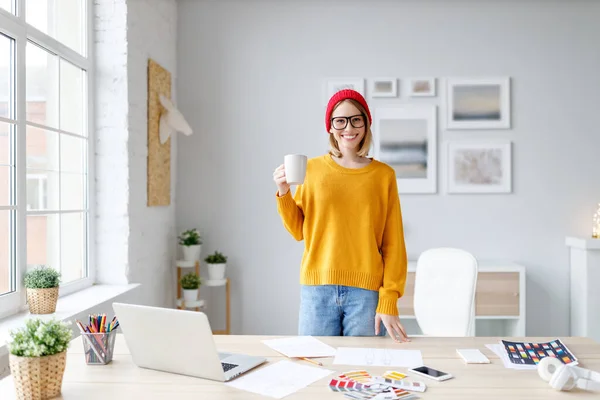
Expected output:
(16, 27)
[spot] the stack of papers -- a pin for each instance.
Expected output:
(280, 379)
(301, 346)
(378, 357)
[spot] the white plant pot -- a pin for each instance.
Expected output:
(216, 271)
(190, 295)
(192, 253)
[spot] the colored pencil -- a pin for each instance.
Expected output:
(311, 361)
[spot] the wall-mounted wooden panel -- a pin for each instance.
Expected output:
(159, 155)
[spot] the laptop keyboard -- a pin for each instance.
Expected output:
(227, 366)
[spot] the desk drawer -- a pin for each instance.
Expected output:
(497, 294)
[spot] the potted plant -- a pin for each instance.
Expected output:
(37, 359)
(216, 266)
(191, 243)
(42, 289)
(190, 284)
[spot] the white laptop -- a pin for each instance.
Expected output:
(178, 341)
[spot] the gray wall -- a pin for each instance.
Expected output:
(250, 83)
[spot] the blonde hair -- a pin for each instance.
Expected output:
(365, 144)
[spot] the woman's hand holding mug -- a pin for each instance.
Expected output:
(281, 181)
(295, 165)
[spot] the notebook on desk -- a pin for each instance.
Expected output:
(178, 341)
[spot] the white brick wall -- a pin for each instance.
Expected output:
(111, 144)
(135, 243)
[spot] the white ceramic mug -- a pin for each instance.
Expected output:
(295, 168)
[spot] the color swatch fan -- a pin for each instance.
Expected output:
(361, 385)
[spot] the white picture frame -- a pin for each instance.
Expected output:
(405, 138)
(478, 103)
(421, 87)
(383, 87)
(479, 167)
(333, 85)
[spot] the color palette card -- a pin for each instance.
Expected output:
(360, 376)
(395, 375)
(394, 393)
(530, 354)
(404, 384)
(340, 385)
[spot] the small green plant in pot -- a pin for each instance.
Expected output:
(37, 359)
(217, 262)
(190, 283)
(191, 244)
(42, 289)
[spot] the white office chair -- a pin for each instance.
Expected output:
(444, 297)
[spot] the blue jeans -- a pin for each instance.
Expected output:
(333, 310)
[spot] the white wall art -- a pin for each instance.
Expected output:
(479, 167)
(405, 137)
(383, 87)
(421, 87)
(478, 103)
(333, 85)
(171, 121)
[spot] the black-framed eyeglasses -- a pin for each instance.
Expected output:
(357, 121)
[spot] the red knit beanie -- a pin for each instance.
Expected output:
(345, 94)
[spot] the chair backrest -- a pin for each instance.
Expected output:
(444, 296)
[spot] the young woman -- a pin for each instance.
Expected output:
(348, 212)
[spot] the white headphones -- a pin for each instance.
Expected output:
(566, 377)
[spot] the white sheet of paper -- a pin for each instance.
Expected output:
(378, 357)
(300, 346)
(499, 350)
(280, 379)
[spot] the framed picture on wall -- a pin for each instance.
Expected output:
(421, 87)
(479, 167)
(479, 103)
(383, 87)
(334, 85)
(405, 137)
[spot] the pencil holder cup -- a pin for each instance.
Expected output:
(98, 347)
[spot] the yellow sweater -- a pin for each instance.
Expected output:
(351, 223)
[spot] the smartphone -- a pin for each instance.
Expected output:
(431, 373)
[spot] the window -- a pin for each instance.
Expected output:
(36, 192)
(7, 5)
(45, 144)
(8, 206)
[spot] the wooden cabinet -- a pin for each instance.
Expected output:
(499, 299)
(497, 294)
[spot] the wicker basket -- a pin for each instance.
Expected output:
(38, 377)
(42, 301)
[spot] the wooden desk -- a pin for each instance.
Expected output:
(123, 380)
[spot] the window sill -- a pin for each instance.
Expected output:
(67, 307)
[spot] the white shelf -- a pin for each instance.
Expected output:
(584, 265)
(191, 304)
(186, 264)
(583, 243)
(485, 266)
(491, 325)
(478, 317)
(220, 282)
